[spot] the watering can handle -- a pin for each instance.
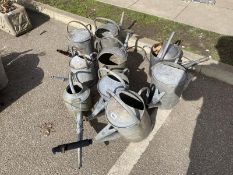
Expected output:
(143, 48)
(112, 73)
(85, 26)
(121, 103)
(71, 83)
(107, 20)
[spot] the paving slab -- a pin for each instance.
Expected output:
(121, 3)
(198, 135)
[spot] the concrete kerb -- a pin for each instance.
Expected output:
(211, 68)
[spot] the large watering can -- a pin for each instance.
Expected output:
(112, 81)
(81, 38)
(84, 68)
(114, 58)
(77, 97)
(170, 79)
(3, 77)
(109, 29)
(127, 117)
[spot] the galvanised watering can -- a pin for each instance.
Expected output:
(127, 116)
(77, 97)
(80, 38)
(114, 58)
(109, 29)
(84, 68)
(112, 81)
(3, 77)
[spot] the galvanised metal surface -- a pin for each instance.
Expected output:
(3, 76)
(84, 68)
(80, 38)
(127, 113)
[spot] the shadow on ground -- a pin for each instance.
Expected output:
(211, 150)
(23, 74)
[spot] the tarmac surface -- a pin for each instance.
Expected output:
(197, 138)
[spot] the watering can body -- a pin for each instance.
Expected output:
(3, 77)
(169, 78)
(126, 113)
(80, 38)
(174, 53)
(84, 67)
(79, 101)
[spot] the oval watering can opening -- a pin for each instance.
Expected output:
(132, 102)
(114, 78)
(76, 88)
(100, 33)
(105, 59)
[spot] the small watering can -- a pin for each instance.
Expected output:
(3, 77)
(167, 52)
(109, 29)
(127, 117)
(84, 68)
(114, 58)
(171, 79)
(112, 81)
(77, 97)
(81, 38)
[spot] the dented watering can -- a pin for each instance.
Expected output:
(109, 29)
(3, 77)
(112, 81)
(127, 116)
(114, 58)
(81, 38)
(77, 97)
(84, 68)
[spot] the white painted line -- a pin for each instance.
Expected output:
(133, 152)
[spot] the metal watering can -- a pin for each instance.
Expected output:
(77, 97)
(112, 81)
(167, 52)
(84, 68)
(3, 77)
(114, 58)
(127, 117)
(109, 29)
(170, 79)
(81, 38)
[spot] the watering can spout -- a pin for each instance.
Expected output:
(122, 19)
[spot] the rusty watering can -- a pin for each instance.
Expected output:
(167, 52)
(84, 68)
(109, 29)
(112, 81)
(80, 38)
(3, 77)
(114, 58)
(127, 117)
(76, 96)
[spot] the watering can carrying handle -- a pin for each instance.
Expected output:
(106, 20)
(85, 26)
(71, 83)
(121, 103)
(112, 73)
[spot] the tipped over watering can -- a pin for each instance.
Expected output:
(112, 81)
(80, 38)
(3, 77)
(109, 29)
(84, 68)
(114, 58)
(77, 97)
(168, 52)
(127, 116)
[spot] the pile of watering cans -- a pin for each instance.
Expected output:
(100, 59)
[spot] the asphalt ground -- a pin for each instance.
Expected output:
(32, 99)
